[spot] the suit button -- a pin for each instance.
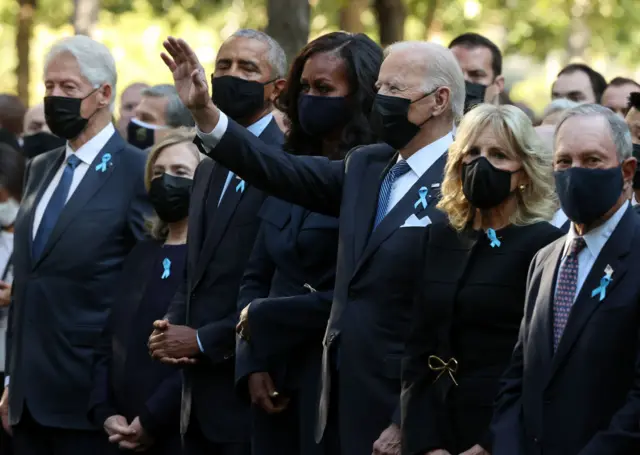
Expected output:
(331, 337)
(193, 296)
(536, 440)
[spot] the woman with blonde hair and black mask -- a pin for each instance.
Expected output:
(136, 399)
(498, 193)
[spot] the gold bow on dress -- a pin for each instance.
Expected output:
(439, 365)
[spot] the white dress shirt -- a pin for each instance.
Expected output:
(87, 153)
(6, 248)
(210, 140)
(595, 241)
(419, 162)
(256, 129)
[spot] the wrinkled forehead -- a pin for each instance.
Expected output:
(584, 133)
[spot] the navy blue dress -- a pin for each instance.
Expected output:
(289, 282)
(127, 381)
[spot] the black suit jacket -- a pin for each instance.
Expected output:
(468, 306)
(584, 398)
(220, 241)
(374, 279)
(62, 300)
(119, 358)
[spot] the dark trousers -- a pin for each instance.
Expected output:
(31, 438)
(195, 443)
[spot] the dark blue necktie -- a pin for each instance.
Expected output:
(55, 206)
(398, 170)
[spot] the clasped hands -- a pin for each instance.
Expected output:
(389, 443)
(130, 437)
(475, 450)
(173, 344)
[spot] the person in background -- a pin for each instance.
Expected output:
(37, 138)
(579, 83)
(633, 122)
(82, 211)
(287, 289)
(159, 110)
(129, 100)
(12, 112)
(386, 194)
(572, 386)
(135, 399)
(616, 96)
(555, 109)
(481, 63)
(12, 165)
(498, 194)
(200, 323)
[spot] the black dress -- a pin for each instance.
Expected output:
(127, 381)
(467, 315)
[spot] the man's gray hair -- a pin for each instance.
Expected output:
(558, 105)
(619, 130)
(177, 113)
(442, 70)
(277, 56)
(94, 59)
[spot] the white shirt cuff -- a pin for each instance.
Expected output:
(6, 381)
(210, 140)
(199, 344)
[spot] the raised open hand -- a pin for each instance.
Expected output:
(188, 74)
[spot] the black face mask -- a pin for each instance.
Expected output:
(39, 143)
(238, 98)
(170, 197)
(63, 117)
(141, 134)
(587, 194)
(320, 115)
(389, 119)
(474, 94)
(636, 178)
(484, 185)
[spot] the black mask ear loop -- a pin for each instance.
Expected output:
(421, 98)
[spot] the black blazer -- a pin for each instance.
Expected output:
(468, 306)
(584, 398)
(62, 300)
(289, 282)
(220, 241)
(371, 306)
(158, 402)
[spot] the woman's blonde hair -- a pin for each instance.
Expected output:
(156, 227)
(535, 202)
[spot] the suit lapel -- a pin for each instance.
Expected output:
(198, 212)
(616, 248)
(403, 209)
(90, 184)
(367, 198)
(30, 204)
(223, 214)
(542, 320)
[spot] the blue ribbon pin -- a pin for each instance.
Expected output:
(491, 233)
(166, 264)
(102, 167)
(240, 186)
(422, 200)
(602, 289)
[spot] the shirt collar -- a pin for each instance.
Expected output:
(89, 151)
(257, 128)
(424, 158)
(597, 238)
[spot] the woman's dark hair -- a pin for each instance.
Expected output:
(12, 164)
(362, 59)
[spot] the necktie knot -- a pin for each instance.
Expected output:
(73, 161)
(577, 245)
(399, 169)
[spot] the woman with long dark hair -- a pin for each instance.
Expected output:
(287, 289)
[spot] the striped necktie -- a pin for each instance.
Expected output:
(398, 170)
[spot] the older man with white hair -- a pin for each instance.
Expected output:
(385, 195)
(82, 212)
(572, 387)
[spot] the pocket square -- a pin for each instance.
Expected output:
(414, 221)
